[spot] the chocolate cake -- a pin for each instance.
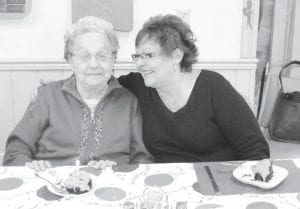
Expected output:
(78, 182)
(263, 170)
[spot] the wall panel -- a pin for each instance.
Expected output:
(6, 107)
(22, 85)
(49, 75)
(19, 79)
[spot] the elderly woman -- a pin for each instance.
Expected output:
(188, 115)
(88, 116)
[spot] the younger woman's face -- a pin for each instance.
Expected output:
(155, 66)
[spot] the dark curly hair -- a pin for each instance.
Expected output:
(171, 32)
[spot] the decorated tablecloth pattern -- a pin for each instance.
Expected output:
(169, 185)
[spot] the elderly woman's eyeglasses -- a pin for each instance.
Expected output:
(144, 56)
(85, 57)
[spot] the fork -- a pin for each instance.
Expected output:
(233, 164)
(57, 186)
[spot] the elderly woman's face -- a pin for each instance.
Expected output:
(91, 59)
(155, 66)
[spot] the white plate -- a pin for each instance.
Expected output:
(61, 174)
(245, 175)
(66, 193)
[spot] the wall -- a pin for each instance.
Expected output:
(216, 23)
(32, 47)
(37, 36)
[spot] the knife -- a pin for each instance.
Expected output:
(212, 180)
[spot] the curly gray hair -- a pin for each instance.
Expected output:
(90, 24)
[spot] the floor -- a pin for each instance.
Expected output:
(282, 150)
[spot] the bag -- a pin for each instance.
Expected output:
(285, 119)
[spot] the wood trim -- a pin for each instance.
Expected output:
(34, 65)
(239, 64)
(282, 34)
(284, 26)
(1, 157)
(290, 28)
(249, 28)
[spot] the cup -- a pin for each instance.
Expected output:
(154, 198)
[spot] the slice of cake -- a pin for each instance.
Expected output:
(78, 182)
(263, 170)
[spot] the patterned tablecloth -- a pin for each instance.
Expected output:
(165, 186)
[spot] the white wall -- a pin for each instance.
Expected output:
(216, 23)
(39, 35)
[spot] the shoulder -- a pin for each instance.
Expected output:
(130, 79)
(53, 85)
(51, 89)
(214, 80)
(134, 82)
(212, 76)
(131, 75)
(123, 100)
(123, 94)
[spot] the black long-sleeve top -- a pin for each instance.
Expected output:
(216, 124)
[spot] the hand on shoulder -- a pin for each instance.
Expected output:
(34, 92)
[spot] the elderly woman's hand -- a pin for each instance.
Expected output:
(39, 165)
(101, 164)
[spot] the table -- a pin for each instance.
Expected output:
(171, 184)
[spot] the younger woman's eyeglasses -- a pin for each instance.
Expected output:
(144, 56)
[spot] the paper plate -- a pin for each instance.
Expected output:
(60, 174)
(65, 193)
(245, 175)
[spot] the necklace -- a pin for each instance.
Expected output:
(178, 100)
(182, 82)
(174, 100)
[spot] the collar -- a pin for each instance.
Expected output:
(69, 86)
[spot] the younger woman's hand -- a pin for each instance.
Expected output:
(34, 92)
(101, 164)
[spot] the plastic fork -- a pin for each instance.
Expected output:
(57, 186)
(233, 164)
